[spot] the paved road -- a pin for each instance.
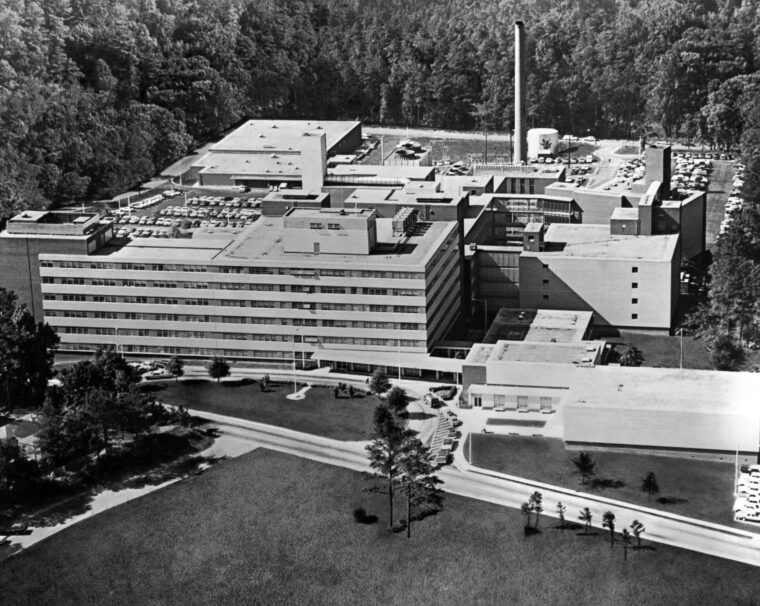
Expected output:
(464, 480)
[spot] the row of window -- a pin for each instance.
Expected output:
(283, 271)
(396, 292)
(360, 307)
(230, 336)
(111, 315)
(185, 351)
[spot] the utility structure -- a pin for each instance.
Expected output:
(521, 142)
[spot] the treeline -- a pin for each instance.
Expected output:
(729, 319)
(97, 95)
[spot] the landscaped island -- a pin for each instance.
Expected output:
(345, 416)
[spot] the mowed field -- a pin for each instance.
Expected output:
(688, 486)
(272, 529)
(320, 412)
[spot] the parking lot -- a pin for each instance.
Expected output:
(162, 216)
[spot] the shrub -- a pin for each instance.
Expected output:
(360, 514)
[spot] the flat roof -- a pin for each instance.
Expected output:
(479, 353)
(53, 217)
(672, 389)
(393, 359)
(419, 173)
(265, 165)
(281, 135)
(625, 214)
(374, 195)
(595, 241)
(559, 326)
(263, 241)
(545, 353)
(328, 212)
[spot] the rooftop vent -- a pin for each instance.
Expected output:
(404, 221)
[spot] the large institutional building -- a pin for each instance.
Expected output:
(278, 290)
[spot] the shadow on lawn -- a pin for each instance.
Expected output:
(671, 501)
(602, 483)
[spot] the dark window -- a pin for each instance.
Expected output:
(546, 281)
(634, 316)
(634, 270)
(546, 296)
(634, 285)
(634, 301)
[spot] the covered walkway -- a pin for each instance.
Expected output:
(410, 365)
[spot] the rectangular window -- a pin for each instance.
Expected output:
(546, 404)
(546, 281)
(634, 316)
(634, 270)
(546, 296)
(522, 403)
(634, 301)
(316, 226)
(634, 284)
(333, 226)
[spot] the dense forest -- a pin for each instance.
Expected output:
(97, 95)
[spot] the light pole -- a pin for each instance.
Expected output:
(680, 359)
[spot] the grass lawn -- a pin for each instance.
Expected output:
(665, 351)
(318, 413)
(272, 529)
(691, 487)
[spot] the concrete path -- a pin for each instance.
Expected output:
(465, 480)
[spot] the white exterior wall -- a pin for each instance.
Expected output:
(604, 286)
(616, 426)
(268, 332)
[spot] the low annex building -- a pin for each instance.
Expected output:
(663, 409)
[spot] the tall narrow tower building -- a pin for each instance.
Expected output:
(521, 143)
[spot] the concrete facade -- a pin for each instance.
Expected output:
(251, 297)
(627, 281)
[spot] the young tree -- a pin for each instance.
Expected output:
(585, 467)
(561, 509)
(218, 368)
(336, 391)
(418, 481)
(17, 473)
(527, 512)
(608, 521)
(626, 537)
(649, 485)
(264, 383)
(385, 452)
(536, 504)
(638, 529)
(585, 517)
(396, 399)
(176, 367)
(27, 352)
(378, 382)
(632, 356)
(351, 391)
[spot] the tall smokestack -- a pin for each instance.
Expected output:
(521, 142)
